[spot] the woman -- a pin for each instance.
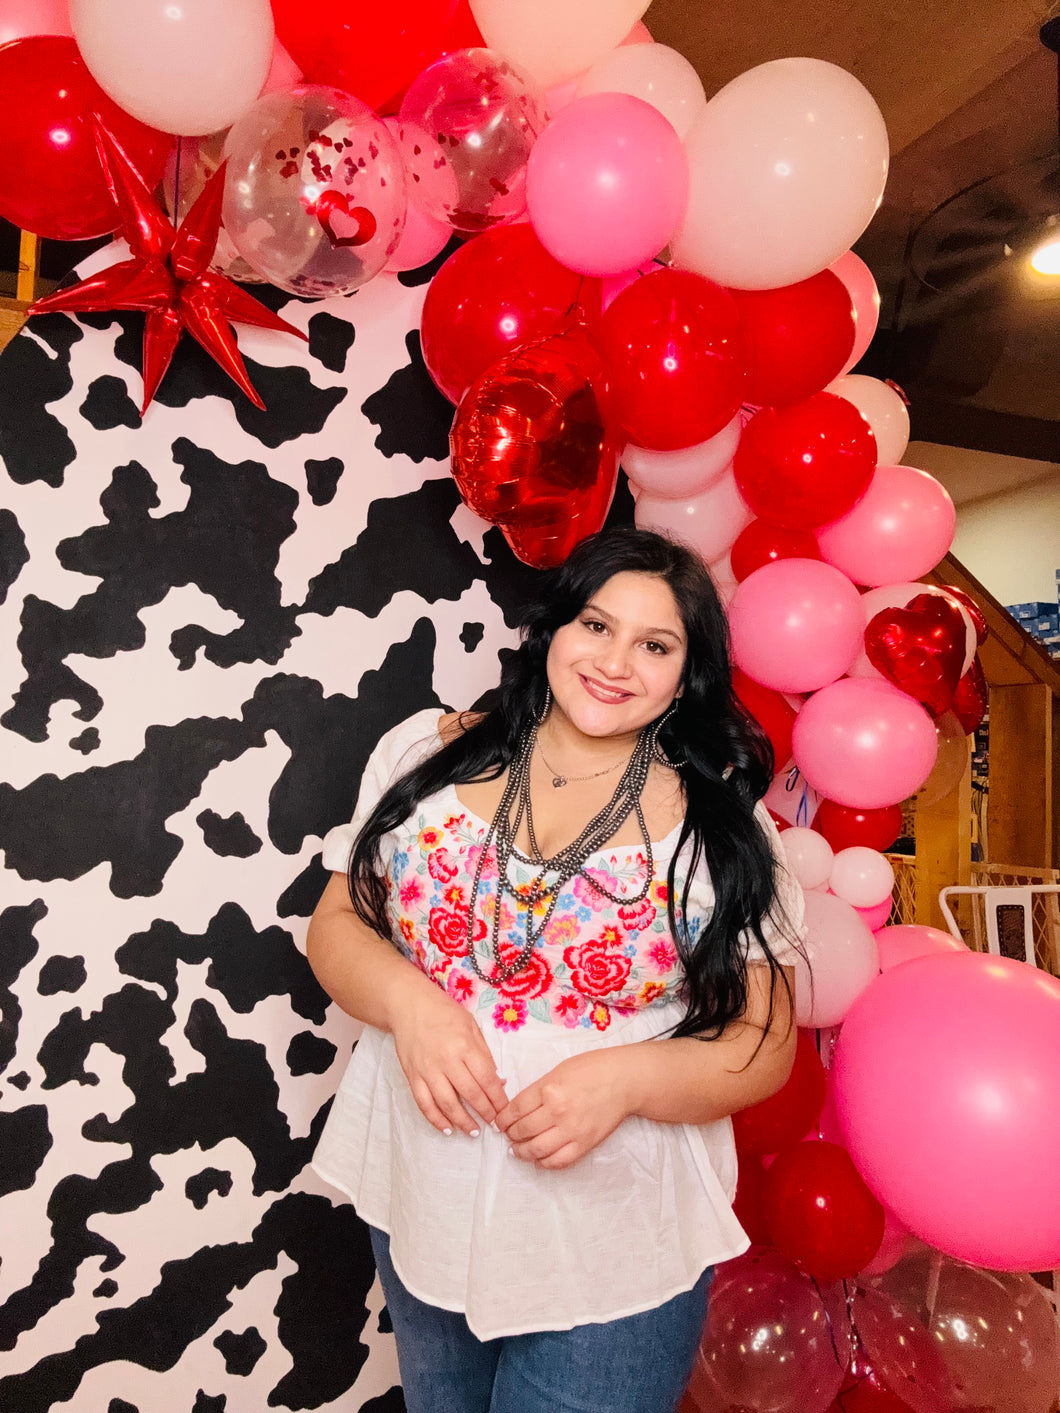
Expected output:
(535, 1121)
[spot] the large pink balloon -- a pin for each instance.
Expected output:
(606, 184)
(708, 522)
(660, 75)
(796, 625)
(946, 1090)
(676, 475)
(906, 941)
(861, 286)
(883, 408)
(899, 529)
(864, 743)
(842, 961)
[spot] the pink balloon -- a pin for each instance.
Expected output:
(883, 408)
(676, 475)
(639, 34)
(862, 877)
(606, 184)
(900, 528)
(796, 625)
(22, 19)
(423, 237)
(708, 523)
(808, 856)
(945, 1089)
(875, 917)
(842, 961)
(905, 941)
(864, 743)
(858, 279)
(283, 72)
(560, 95)
(897, 1239)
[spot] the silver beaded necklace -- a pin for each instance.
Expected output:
(567, 862)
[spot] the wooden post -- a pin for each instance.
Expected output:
(28, 266)
(1020, 808)
(944, 845)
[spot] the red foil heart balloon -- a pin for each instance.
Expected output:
(342, 223)
(533, 450)
(920, 648)
(975, 613)
(970, 697)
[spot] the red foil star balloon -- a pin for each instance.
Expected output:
(168, 277)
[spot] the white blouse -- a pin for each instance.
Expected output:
(515, 1247)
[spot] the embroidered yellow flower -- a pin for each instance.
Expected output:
(430, 837)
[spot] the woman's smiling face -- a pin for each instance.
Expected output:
(618, 665)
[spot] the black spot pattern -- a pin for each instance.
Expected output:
(34, 444)
(231, 837)
(61, 974)
(86, 741)
(330, 340)
(240, 1351)
(310, 1054)
(13, 551)
(108, 404)
(199, 1188)
(322, 479)
(471, 635)
(24, 1144)
(413, 417)
(18, 947)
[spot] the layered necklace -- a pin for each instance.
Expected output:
(551, 875)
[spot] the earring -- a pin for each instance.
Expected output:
(540, 718)
(657, 750)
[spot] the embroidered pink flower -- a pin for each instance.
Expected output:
(440, 865)
(611, 935)
(509, 1014)
(569, 1008)
(635, 916)
(460, 986)
(533, 980)
(453, 820)
(411, 892)
(585, 893)
(596, 971)
(649, 991)
(454, 894)
(663, 956)
(600, 1016)
(447, 929)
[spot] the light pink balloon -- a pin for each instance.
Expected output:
(808, 856)
(423, 237)
(639, 34)
(554, 40)
(858, 279)
(884, 410)
(876, 916)
(613, 285)
(796, 625)
(606, 184)
(707, 523)
(283, 71)
(945, 1089)
(905, 941)
(874, 601)
(22, 19)
(862, 877)
(897, 1240)
(864, 743)
(676, 475)
(658, 74)
(842, 961)
(560, 95)
(900, 529)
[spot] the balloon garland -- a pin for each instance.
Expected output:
(656, 277)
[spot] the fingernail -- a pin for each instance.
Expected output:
(472, 1133)
(448, 1132)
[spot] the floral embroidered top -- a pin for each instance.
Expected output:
(603, 973)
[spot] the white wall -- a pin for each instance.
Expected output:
(1008, 517)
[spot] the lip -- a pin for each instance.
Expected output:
(600, 692)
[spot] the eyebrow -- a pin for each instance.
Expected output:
(648, 632)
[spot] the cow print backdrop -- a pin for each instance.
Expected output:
(208, 621)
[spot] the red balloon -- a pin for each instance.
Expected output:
(51, 178)
(673, 343)
(496, 293)
(749, 1203)
(798, 338)
(807, 464)
(970, 697)
(532, 449)
(372, 55)
(864, 1391)
(821, 1215)
(462, 31)
(975, 613)
(845, 826)
(920, 648)
(763, 541)
(789, 1114)
(773, 712)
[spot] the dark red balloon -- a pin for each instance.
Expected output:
(807, 464)
(789, 1114)
(774, 714)
(920, 648)
(749, 1202)
(496, 293)
(532, 448)
(864, 1391)
(845, 826)
(975, 613)
(764, 541)
(51, 178)
(971, 697)
(462, 31)
(673, 343)
(371, 54)
(798, 338)
(820, 1213)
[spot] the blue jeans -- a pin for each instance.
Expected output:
(639, 1364)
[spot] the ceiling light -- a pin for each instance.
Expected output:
(1046, 257)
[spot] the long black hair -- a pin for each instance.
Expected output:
(726, 763)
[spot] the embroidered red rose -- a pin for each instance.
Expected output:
(447, 929)
(635, 916)
(532, 980)
(594, 969)
(440, 865)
